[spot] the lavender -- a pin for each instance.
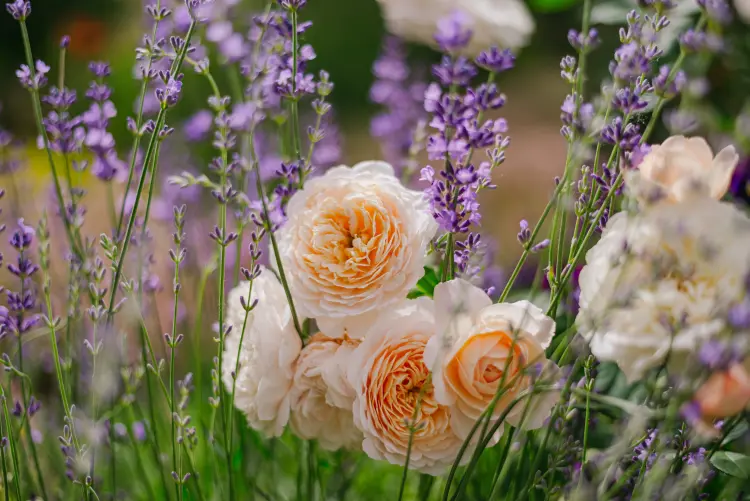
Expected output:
(19, 9)
(400, 95)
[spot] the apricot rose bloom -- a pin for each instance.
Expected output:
(390, 380)
(321, 396)
(354, 242)
(484, 345)
(267, 355)
(725, 393)
(680, 167)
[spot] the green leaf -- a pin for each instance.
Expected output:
(732, 463)
(425, 285)
(551, 5)
(736, 432)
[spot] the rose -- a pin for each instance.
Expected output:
(484, 348)
(269, 349)
(354, 243)
(725, 393)
(504, 23)
(321, 396)
(660, 283)
(681, 167)
(392, 384)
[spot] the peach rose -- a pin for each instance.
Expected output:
(389, 378)
(267, 355)
(483, 345)
(321, 396)
(725, 393)
(682, 166)
(354, 243)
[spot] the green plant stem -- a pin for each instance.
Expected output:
(248, 300)
(138, 125)
(530, 244)
(195, 340)
(194, 471)
(37, 105)
(6, 488)
(160, 120)
(412, 430)
(12, 444)
(294, 105)
(173, 349)
(274, 245)
(26, 424)
(140, 460)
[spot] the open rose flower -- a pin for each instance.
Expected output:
(681, 167)
(504, 23)
(267, 355)
(660, 283)
(483, 346)
(390, 381)
(354, 242)
(725, 393)
(321, 396)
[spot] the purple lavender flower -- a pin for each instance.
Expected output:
(717, 10)
(717, 355)
(199, 125)
(496, 60)
(401, 97)
(170, 93)
(740, 185)
(33, 78)
(454, 32)
(19, 9)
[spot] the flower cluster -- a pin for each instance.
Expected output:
(383, 373)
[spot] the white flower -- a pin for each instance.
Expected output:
(479, 346)
(743, 9)
(355, 242)
(389, 378)
(504, 23)
(321, 397)
(269, 350)
(659, 283)
(682, 167)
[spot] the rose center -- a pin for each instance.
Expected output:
(492, 373)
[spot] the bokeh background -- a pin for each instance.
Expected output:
(347, 37)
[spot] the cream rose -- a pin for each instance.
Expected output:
(681, 167)
(390, 379)
(321, 396)
(504, 23)
(660, 283)
(482, 345)
(355, 242)
(743, 9)
(270, 347)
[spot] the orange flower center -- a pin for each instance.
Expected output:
(398, 384)
(351, 240)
